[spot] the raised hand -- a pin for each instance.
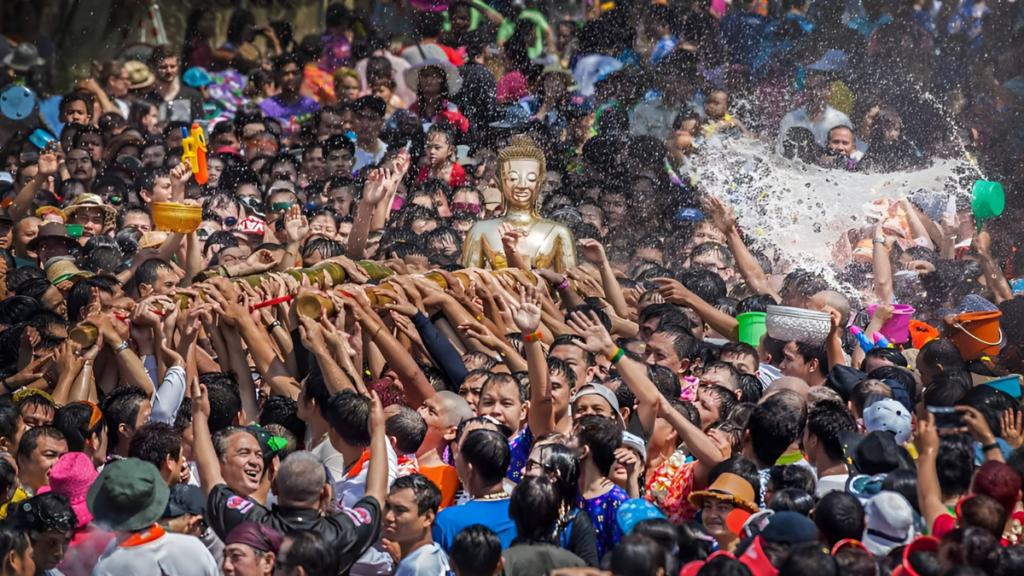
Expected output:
(527, 314)
(596, 339)
(400, 302)
(592, 250)
(181, 174)
(200, 400)
(673, 291)
(718, 212)
(48, 164)
(1012, 428)
(295, 224)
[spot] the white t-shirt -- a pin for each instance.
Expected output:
(169, 555)
(830, 118)
(831, 483)
(427, 560)
(350, 489)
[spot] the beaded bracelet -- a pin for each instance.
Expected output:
(535, 337)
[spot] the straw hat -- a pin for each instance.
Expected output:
(92, 201)
(139, 74)
(61, 270)
(729, 488)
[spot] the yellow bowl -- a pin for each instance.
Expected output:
(177, 217)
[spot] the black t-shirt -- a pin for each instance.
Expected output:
(350, 532)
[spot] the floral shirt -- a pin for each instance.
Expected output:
(604, 513)
(669, 488)
(336, 54)
(520, 446)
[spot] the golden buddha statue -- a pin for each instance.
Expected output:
(547, 244)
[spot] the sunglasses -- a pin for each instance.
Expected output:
(281, 206)
(465, 207)
(229, 221)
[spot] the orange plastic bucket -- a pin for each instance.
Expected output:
(979, 334)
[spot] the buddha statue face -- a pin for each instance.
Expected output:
(520, 182)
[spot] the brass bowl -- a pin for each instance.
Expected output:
(177, 217)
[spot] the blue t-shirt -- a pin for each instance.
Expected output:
(603, 512)
(490, 513)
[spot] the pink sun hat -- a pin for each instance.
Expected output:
(71, 476)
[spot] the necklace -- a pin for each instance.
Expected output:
(496, 496)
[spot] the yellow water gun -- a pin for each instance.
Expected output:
(194, 154)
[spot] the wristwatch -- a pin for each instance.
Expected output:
(879, 240)
(122, 347)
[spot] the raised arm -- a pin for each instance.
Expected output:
(882, 267)
(22, 203)
(597, 340)
(202, 442)
(417, 387)
(674, 292)
(377, 475)
(982, 245)
(593, 251)
(929, 493)
(527, 314)
(747, 265)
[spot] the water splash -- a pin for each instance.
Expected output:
(799, 211)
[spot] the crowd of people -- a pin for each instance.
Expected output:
(314, 379)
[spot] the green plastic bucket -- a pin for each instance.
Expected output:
(752, 327)
(987, 200)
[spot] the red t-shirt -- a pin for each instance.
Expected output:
(456, 178)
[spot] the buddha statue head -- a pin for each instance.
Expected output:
(520, 173)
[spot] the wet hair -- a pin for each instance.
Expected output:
(348, 414)
(121, 406)
(726, 400)
(683, 342)
(826, 420)
(488, 452)
(968, 546)
(792, 500)
(80, 294)
(326, 247)
(948, 387)
(792, 476)
(810, 559)
(408, 428)
(225, 399)
(587, 310)
(775, 424)
(561, 462)
(282, 410)
(313, 553)
(556, 366)
(954, 463)
(426, 494)
(903, 481)
(603, 437)
(570, 340)
(30, 439)
(502, 379)
(475, 551)
(153, 442)
(664, 380)
(705, 284)
(73, 421)
(839, 515)
(638, 555)
(739, 465)
(535, 508)
(31, 514)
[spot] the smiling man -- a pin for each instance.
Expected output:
(409, 522)
(38, 450)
